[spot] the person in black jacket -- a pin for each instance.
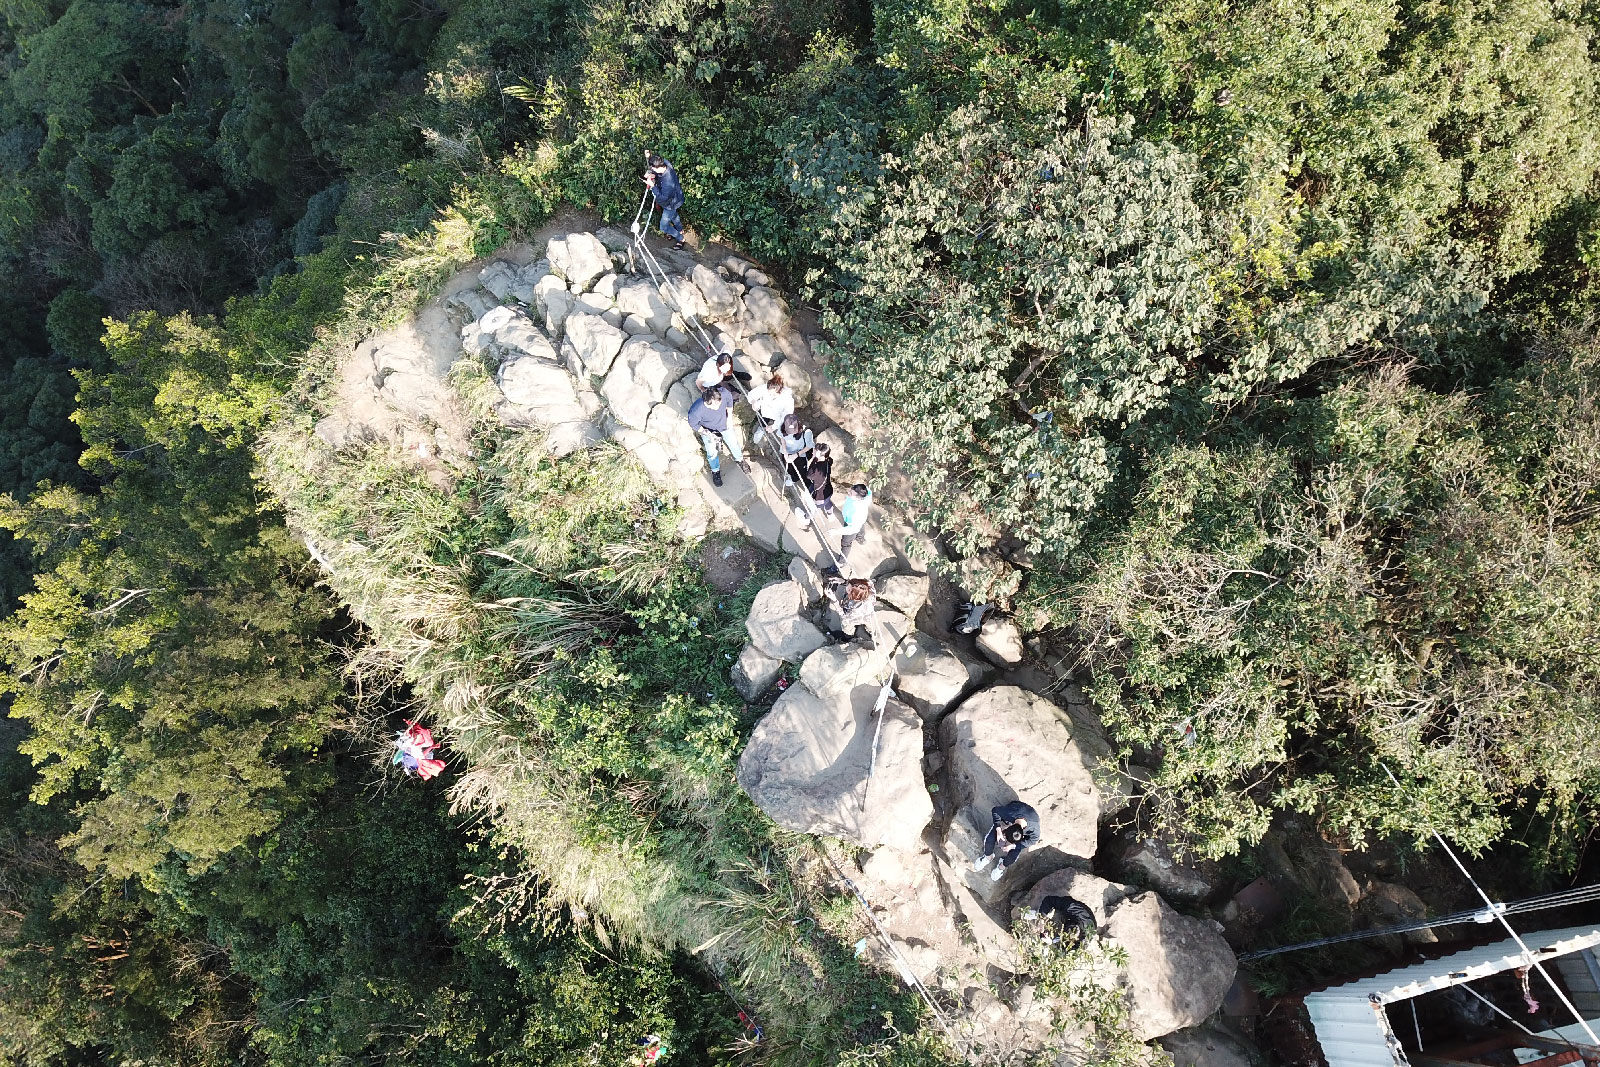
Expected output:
(1071, 917)
(663, 183)
(1015, 829)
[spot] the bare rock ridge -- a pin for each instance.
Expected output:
(582, 348)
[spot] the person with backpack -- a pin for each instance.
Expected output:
(773, 403)
(795, 439)
(662, 181)
(708, 416)
(853, 510)
(1015, 830)
(857, 606)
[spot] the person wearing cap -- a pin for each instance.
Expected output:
(662, 181)
(853, 510)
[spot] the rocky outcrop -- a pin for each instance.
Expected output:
(1150, 862)
(821, 763)
(776, 627)
(1005, 744)
(1178, 969)
(754, 672)
(1000, 641)
(932, 676)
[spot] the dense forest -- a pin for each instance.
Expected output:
(1248, 347)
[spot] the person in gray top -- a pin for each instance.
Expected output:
(709, 416)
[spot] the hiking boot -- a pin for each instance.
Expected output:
(716, 479)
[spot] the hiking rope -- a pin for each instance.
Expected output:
(669, 289)
(1499, 913)
(901, 963)
(1560, 899)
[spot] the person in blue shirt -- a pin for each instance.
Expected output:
(663, 182)
(709, 418)
(853, 511)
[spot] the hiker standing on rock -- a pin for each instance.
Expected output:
(773, 403)
(709, 417)
(797, 442)
(857, 607)
(1015, 829)
(819, 479)
(662, 181)
(853, 510)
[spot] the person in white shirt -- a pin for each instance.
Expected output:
(773, 403)
(718, 370)
(797, 442)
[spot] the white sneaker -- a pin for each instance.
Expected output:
(787, 481)
(981, 862)
(758, 437)
(999, 869)
(800, 513)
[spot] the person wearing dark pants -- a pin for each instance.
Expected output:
(797, 441)
(819, 479)
(853, 510)
(663, 183)
(1015, 830)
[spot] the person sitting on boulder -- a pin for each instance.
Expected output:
(662, 180)
(1071, 917)
(797, 442)
(853, 511)
(853, 599)
(1015, 829)
(709, 417)
(773, 403)
(718, 369)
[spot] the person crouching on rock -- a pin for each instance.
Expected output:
(1015, 829)
(1070, 921)
(709, 417)
(853, 599)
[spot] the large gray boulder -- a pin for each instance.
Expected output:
(776, 628)
(580, 258)
(934, 677)
(640, 379)
(528, 279)
(499, 277)
(1202, 1047)
(516, 332)
(1005, 744)
(764, 311)
(754, 672)
(720, 301)
(1179, 968)
(545, 396)
(639, 297)
(810, 765)
(1000, 641)
(595, 340)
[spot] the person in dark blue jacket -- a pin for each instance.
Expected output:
(1015, 829)
(665, 187)
(709, 418)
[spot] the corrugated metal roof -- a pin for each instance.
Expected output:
(1354, 1031)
